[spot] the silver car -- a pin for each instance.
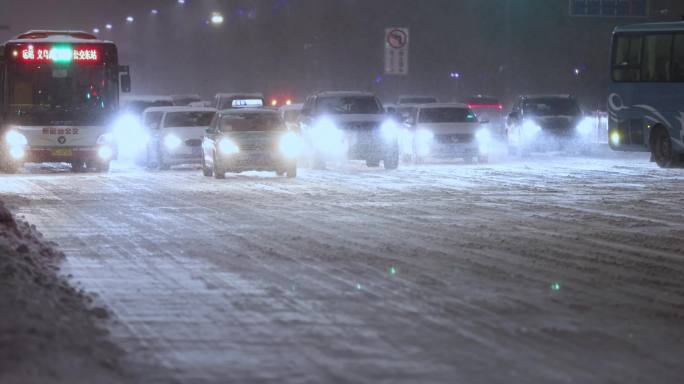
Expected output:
(250, 139)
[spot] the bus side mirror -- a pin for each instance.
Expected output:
(126, 83)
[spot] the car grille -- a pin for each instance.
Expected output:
(455, 138)
(362, 126)
(193, 143)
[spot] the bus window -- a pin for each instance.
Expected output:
(655, 65)
(678, 59)
(627, 58)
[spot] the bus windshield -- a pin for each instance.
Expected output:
(45, 94)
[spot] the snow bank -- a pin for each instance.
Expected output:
(48, 330)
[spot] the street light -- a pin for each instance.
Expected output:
(154, 11)
(216, 18)
(108, 26)
(129, 19)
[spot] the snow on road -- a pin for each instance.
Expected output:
(548, 270)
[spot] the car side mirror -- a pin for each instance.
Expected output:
(126, 83)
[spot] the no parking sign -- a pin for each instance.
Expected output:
(397, 51)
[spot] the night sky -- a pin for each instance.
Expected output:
(300, 46)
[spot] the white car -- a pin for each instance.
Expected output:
(175, 135)
(448, 130)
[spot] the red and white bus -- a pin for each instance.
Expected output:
(59, 95)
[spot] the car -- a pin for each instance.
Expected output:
(185, 100)
(349, 124)
(542, 122)
(238, 100)
(416, 99)
(136, 104)
(175, 135)
(249, 139)
(488, 109)
(290, 114)
(448, 130)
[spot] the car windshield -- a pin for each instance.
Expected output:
(551, 107)
(53, 95)
(241, 122)
(349, 105)
(188, 119)
(446, 115)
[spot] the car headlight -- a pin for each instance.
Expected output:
(172, 142)
(483, 136)
(15, 139)
(290, 145)
(227, 146)
(326, 137)
(389, 131)
(530, 129)
(586, 126)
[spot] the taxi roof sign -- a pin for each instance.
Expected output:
(247, 103)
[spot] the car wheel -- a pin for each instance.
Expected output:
(206, 171)
(391, 162)
(10, 167)
(292, 172)
(661, 149)
(218, 172)
(77, 166)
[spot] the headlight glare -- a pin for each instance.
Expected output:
(228, 147)
(389, 131)
(327, 138)
(105, 153)
(530, 129)
(172, 142)
(17, 153)
(290, 145)
(586, 126)
(15, 139)
(423, 141)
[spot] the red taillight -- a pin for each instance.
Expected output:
(486, 106)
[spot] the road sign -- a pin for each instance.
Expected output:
(397, 51)
(609, 8)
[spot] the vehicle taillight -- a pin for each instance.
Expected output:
(486, 106)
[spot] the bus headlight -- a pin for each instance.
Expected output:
(171, 142)
(424, 140)
(389, 131)
(15, 139)
(17, 153)
(290, 145)
(105, 153)
(227, 147)
(615, 138)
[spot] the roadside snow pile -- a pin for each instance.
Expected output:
(47, 328)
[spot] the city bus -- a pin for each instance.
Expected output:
(59, 94)
(646, 98)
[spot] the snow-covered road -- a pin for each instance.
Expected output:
(546, 270)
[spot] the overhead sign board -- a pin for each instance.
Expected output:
(397, 42)
(609, 8)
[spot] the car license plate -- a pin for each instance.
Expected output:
(62, 152)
